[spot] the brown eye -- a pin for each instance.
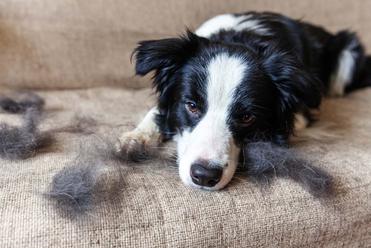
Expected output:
(192, 107)
(247, 119)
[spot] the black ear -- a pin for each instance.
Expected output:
(165, 57)
(296, 88)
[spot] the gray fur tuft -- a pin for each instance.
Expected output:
(93, 178)
(23, 141)
(264, 161)
(73, 187)
(21, 103)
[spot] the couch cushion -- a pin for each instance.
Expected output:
(77, 43)
(156, 210)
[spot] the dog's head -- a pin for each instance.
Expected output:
(216, 97)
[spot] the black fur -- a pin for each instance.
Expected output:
(166, 57)
(264, 161)
(289, 66)
(290, 69)
(364, 76)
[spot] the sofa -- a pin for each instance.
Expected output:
(76, 55)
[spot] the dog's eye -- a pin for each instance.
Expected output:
(247, 120)
(192, 107)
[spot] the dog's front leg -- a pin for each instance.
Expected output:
(146, 135)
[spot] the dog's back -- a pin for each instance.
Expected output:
(338, 60)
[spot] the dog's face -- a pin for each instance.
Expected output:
(214, 98)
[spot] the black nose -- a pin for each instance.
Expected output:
(203, 176)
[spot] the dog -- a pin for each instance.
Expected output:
(240, 78)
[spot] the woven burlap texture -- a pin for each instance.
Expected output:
(156, 210)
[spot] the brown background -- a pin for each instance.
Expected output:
(78, 43)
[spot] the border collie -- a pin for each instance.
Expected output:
(239, 78)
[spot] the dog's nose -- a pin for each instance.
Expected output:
(204, 176)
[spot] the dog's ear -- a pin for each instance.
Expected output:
(165, 57)
(296, 88)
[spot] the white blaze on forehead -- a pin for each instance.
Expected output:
(211, 139)
(231, 22)
(225, 73)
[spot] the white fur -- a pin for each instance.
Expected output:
(148, 124)
(146, 132)
(344, 72)
(230, 22)
(211, 139)
(301, 122)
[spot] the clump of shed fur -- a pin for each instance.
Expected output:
(264, 160)
(79, 188)
(91, 178)
(94, 177)
(21, 142)
(25, 140)
(21, 102)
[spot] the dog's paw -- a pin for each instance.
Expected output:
(136, 146)
(337, 90)
(301, 122)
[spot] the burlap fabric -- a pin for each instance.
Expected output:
(156, 210)
(63, 44)
(77, 43)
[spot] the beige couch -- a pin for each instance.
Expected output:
(62, 48)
